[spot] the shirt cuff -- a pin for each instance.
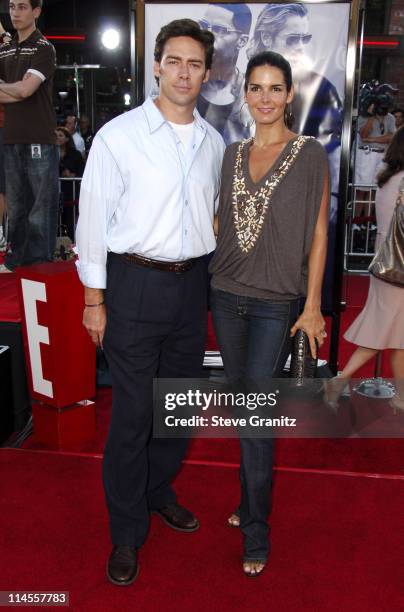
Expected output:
(37, 73)
(92, 275)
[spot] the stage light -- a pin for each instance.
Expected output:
(126, 98)
(111, 39)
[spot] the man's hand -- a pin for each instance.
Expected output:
(94, 316)
(95, 320)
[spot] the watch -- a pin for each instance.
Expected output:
(3, 36)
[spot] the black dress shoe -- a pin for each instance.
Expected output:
(122, 565)
(179, 518)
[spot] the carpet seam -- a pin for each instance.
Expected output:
(224, 464)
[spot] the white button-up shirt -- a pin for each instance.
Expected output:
(143, 193)
(79, 142)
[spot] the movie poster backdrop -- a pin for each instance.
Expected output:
(313, 37)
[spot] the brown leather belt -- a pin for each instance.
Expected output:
(165, 266)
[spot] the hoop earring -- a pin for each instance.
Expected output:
(242, 121)
(288, 115)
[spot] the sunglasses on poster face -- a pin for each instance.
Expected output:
(295, 39)
(218, 30)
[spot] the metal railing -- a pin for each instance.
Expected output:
(69, 201)
(360, 232)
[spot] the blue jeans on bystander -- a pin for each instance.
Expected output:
(32, 192)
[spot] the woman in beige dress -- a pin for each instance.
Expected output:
(380, 325)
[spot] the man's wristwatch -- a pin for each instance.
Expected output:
(4, 35)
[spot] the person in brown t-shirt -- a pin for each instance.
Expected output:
(27, 65)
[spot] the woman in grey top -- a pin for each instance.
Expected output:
(271, 251)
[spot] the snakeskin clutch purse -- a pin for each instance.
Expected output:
(302, 364)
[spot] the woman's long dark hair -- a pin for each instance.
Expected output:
(70, 142)
(394, 158)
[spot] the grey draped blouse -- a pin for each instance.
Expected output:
(264, 244)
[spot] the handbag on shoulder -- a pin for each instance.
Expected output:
(388, 263)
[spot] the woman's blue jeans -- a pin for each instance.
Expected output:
(254, 340)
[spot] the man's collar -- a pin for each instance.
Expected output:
(155, 117)
(33, 37)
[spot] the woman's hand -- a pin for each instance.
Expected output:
(312, 322)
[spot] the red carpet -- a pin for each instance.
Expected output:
(337, 542)
(9, 306)
(355, 295)
(361, 455)
(337, 539)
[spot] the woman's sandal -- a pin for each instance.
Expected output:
(334, 388)
(253, 568)
(234, 519)
(396, 403)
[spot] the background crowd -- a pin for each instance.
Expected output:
(219, 103)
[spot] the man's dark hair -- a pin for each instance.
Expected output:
(398, 109)
(36, 3)
(185, 27)
(241, 16)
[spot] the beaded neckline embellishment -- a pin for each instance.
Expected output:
(249, 210)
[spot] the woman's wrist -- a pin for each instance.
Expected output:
(312, 306)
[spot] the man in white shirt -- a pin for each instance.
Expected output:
(147, 204)
(71, 125)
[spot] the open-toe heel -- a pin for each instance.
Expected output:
(253, 567)
(397, 404)
(234, 519)
(334, 388)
